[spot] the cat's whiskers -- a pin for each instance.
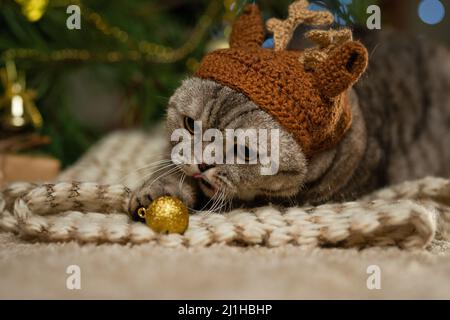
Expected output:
(209, 201)
(213, 206)
(148, 175)
(223, 180)
(226, 182)
(215, 197)
(174, 168)
(223, 202)
(152, 165)
(224, 199)
(183, 177)
(219, 204)
(180, 185)
(153, 168)
(159, 168)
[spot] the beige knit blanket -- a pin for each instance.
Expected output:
(88, 204)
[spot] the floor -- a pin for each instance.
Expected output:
(108, 271)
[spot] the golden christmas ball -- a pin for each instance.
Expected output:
(166, 215)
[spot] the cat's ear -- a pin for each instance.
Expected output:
(341, 69)
(248, 30)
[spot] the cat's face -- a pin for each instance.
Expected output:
(219, 107)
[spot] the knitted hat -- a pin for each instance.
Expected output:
(305, 91)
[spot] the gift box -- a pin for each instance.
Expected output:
(16, 167)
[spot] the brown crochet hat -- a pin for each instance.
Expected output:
(306, 91)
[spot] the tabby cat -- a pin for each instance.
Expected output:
(400, 131)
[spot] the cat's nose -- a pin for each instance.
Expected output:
(203, 167)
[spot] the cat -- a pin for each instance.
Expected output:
(400, 131)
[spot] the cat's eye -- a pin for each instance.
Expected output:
(189, 124)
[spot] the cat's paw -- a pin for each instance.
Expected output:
(145, 194)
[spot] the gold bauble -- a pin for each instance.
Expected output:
(166, 215)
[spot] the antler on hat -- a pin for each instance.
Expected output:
(298, 14)
(326, 41)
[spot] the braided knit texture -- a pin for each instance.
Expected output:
(409, 215)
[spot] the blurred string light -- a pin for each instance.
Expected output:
(139, 50)
(142, 50)
(232, 9)
(33, 10)
(431, 11)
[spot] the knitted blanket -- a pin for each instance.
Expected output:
(88, 204)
